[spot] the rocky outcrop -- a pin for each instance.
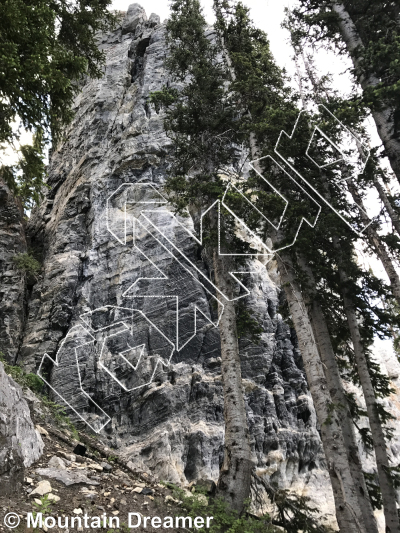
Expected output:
(106, 284)
(20, 443)
(12, 281)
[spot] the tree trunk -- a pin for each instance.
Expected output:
(384, 118)
(377, 244)
(332, 373)
(348, 512)
(352, 509)
(236, 471)
(352, 516)
(336, 390)
(394, 217)
(378, 437)
(235, 474)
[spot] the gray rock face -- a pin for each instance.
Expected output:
(12, 282)
(68, 478)
(166, 419)
(135, 15)
(20, 444)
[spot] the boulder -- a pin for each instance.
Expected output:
(66, 477)
(43, 488)
(57, 462)
(134, 16)
(20, 444)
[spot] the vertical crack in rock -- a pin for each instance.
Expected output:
(13, 282)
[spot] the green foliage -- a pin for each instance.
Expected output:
(259, 84)
(44, 506)
(334, 408)
(26, 179)
(60, 416)
(30, 380)
(318, 24)
(394, 474)
(374, 491)
(293, 513)
(225, 520)
(27, 264)
(217, 107)
(246, 324)
(198, 117)
(164, 98)
(46, 49)
(34, 382)
(206, 118)
(394, 309)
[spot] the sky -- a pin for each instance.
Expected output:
(268, 14)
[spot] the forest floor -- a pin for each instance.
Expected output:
(70, 481)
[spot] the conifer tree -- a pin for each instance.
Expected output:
(369, 33)
(257, 97)
(201, 119)
(359, 347)
(371, 177)
(321, 91)
(46, 47)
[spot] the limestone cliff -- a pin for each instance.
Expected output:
(173, 426)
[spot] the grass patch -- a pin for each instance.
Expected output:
(16, 372)
(27, 264)
(225, 520)
(60, 416)
(35, 384)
